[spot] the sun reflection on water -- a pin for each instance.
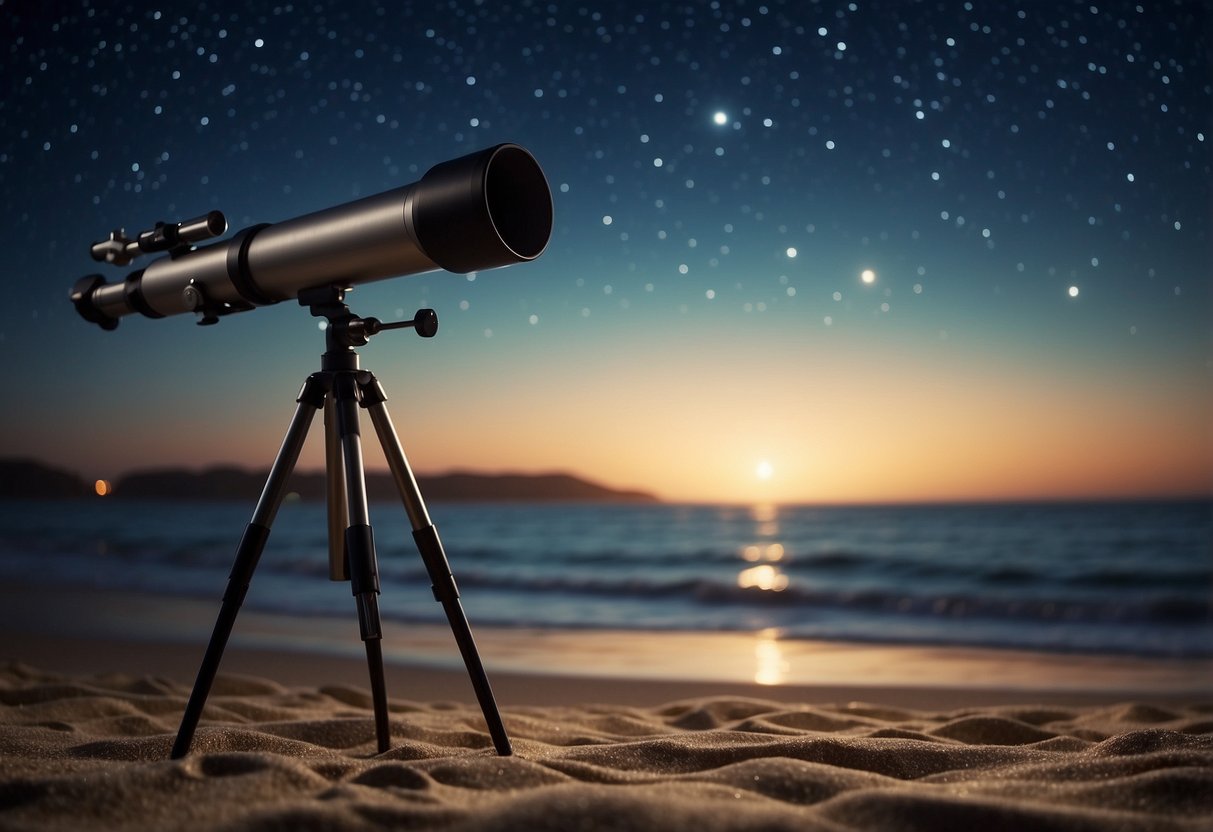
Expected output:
(765, 577)
(763, 512)
(765, 552)
(770, 668)
(766, 516)
(755, 553)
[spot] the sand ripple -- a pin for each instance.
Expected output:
(93, 753)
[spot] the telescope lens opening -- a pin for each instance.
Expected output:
(519, 202)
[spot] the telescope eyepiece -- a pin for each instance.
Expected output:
(82, 298)
(113, 249)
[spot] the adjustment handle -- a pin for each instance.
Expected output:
(425, 322)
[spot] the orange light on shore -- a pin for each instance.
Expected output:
(103, 488)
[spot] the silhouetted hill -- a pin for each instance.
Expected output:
(238, 484)
(220, 483)
(467, 486)
(28, 479)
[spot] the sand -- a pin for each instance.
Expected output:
(90, 751)
(612, 731)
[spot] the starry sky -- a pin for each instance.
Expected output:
(803, 251)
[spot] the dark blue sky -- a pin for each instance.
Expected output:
(1028, 184)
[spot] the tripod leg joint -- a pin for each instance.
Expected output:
(371, 390)
(364, 578)
(368, 617)
(436, 564)
(314, 390)
(248, 553)
(360, 546)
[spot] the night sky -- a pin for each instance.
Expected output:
(803, 251)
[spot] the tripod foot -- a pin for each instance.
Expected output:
(374, 660)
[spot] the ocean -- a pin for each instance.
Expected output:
(1130, 578)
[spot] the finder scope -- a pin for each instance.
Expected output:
(487, 209)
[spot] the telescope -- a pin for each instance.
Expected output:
(487, 209)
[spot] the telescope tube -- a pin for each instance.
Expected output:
(487, 209)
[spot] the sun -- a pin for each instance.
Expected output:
(765, 470)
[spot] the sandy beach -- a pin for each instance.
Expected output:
(91, 751)
(885, 737)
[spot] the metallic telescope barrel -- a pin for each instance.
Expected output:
(480, 211)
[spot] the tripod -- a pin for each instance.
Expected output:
(340, 388)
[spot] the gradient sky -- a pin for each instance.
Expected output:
(1029, 184)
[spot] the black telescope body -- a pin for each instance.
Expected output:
(487, 209)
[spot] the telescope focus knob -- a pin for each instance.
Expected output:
(426, 323)
(197, 302)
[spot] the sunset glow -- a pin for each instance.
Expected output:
(802, 274)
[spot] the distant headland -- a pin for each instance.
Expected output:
(30, 479)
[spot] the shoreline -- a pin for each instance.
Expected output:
(421, 682)
(79, 630)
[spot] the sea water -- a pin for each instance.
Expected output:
(1117, 577)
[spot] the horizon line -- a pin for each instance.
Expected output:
(891, 501)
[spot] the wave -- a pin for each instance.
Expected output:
(300, 551)
(916, 587)
(606, 565)
(1160, 609)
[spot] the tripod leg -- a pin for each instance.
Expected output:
(432, 554)
(311, 398)
(360, 547)
(338, 518)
